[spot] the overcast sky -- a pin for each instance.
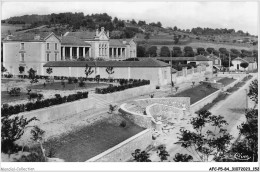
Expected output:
(184, 15)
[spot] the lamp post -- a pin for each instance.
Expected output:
(171, 73)
(246, 101)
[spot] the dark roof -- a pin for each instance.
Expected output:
(250, 59)
(29, 36)
(149, 62)
(196, 58)
(71, 40)
(82, 35)
(117, 43)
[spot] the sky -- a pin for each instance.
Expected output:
(184, 15)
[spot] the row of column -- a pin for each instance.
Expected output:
(117, 52)
(77, 50)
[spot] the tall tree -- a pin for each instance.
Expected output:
(152, 51)
(140, 51)
(177, 52)
(165, 52)
(188, 51)
(208, 139)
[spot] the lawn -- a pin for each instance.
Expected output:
(58, 86)
(6, 98)
(196, 93)
(90, 141)
(226, 81)
(11, 80)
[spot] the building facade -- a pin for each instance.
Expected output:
(34, 50)
(252, 65)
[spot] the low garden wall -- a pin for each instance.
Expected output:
(123, 151)
(140, 120)
(200, 104)
(232, 84)
(67, 109)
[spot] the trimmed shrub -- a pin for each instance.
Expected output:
(16, 91)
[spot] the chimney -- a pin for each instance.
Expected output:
(102, 29)
(96, 32)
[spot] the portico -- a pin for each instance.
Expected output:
(70, 52)
(117, 52)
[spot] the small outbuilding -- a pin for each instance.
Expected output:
(252, 65)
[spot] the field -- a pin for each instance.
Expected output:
(11, 28)
(226, 81)
(196, 93)
(90, 141)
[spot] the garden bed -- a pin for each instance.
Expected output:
(90, 141)
(196, 93)
(58, 86)
(226, 81)
(6, 98)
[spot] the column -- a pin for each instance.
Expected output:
(63, 53)
(125, 52)
(112, 54)
(71, 53)
(116, 52)
(84, 51)
(89, 51)
(77, 52)
(121, 52)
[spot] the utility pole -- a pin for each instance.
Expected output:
(229, 62)
(171, 73)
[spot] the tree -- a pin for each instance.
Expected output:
(162, 153)
(32, 75)
(209, 140)
(110, 71)
(12, 129)
(140, 51)
(253, 91)
(188, 51)
(177, 52)
(182, 158)
(49, 71)
(175, 28)
(147, 35)
(21, 69)
(3, 69)
(165, 52)
(141, 23)
(176, 39)
(152, 51)
(244, 65)
(141, 156)
(201, 51)
(37, 136)
(88, 71)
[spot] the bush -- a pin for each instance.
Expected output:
(111, 88)
(16, 91)
(8, 75)
(81, 83)
(157, 87)
(7, 110)
(123, 124)
(70, 80)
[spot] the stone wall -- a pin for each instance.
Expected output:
(67, 109)
(122, 152)
(200, 104)
(140, 120)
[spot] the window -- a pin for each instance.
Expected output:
(22, 46)
(216, 61)
(55, 56)
(56, 46)
(22, 57)
(48, 57)
(48, 46)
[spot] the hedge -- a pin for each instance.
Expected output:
(7, 110)
(111, 89)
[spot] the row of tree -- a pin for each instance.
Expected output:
(189, 52)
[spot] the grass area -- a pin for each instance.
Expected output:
(11, 80)
(6, 98)
(226, 81)
(196, 93)
(90, 141)
(58, 86)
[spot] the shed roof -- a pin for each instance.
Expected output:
(149, 62)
